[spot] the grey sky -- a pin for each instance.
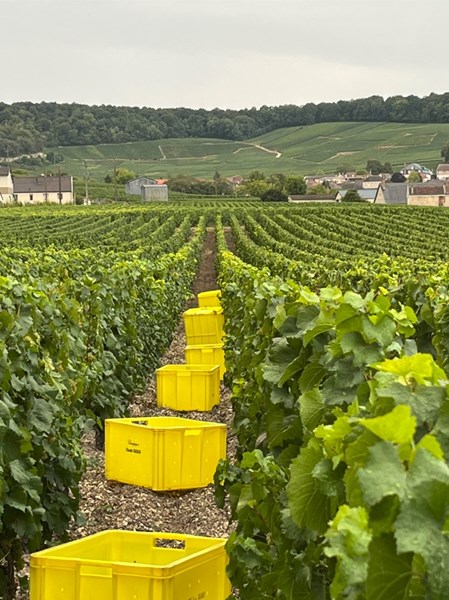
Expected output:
(221, 53)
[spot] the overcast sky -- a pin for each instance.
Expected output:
(221, 53)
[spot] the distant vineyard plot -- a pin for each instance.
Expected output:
(324, 147)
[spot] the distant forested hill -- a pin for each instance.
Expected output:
(27, 127)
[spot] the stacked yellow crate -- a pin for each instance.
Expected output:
(205, 349)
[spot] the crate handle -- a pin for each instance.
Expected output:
(192, 432)
(95, 570)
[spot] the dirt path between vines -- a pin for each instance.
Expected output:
(111, 505)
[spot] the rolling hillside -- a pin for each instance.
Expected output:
(305, 150)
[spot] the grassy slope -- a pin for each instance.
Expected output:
(304, 150)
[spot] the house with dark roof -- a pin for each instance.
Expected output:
(36, 190)
(6, 186)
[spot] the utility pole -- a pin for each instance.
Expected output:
(60, 190)
(86, 182)
(216, 179)
(115, 181)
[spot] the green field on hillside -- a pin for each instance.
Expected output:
(305, 150)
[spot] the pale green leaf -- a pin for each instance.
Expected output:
(348, 539)
(419, 368)
(397, 426)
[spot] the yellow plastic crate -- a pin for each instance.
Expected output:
(210, 298)
(188, 387)
(163, 453)
(204, 325)
(206, 354)
(124, 565)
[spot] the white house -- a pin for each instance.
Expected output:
(35, 190)
(442, 171)
(425, 173)
(6, 186)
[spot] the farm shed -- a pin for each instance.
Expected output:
(134, 186)
(154, 192)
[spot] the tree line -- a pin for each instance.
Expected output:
(27, 127)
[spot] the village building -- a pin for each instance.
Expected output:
(368, 195)
(6, 186)
(351, 185)
(36, 190)
(372, 182)
(442, 171)
(391, 193)
(425, 173)
(429, 193)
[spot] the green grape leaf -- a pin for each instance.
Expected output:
(312, 375)
(382, 331)
(389, 574)
(311, 409)
(308, 505)
(422, 523)
(383, 474)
